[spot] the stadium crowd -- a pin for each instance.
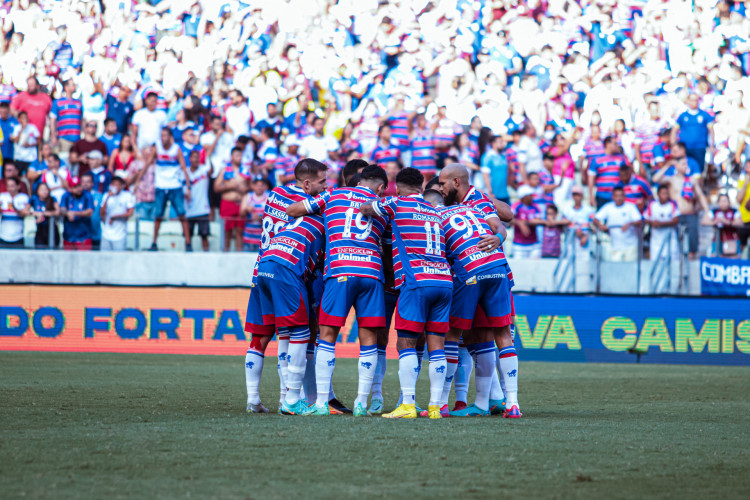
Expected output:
(589, 115)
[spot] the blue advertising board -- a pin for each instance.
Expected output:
(681, 330)
(725, 277)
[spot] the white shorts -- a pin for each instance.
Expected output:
(624, 255)
(527, 251)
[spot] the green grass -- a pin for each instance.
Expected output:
(145, 426)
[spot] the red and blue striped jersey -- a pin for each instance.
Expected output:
(647, 136)
(7, 92)
(464, 227)
(480, 201)
(69, 113)
(418, 241)
(446, 130)
(399, 123)
(383, 154)
(593, 149)
(285, 164)
(299, 246)
(423, 151)
(636, 189)
(275, 217)
(353, 247)
(606, 169)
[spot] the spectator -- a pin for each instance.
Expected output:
(141, 179)
(252, 210)
(100, 176)
(495, 170)
(526, 217)
(35, 103)
(44, 208)
(86, 144)
(647, 138)
(117, 207)
(111, 137)
(563, 167)
(663, 215)
(65, 119)
(197, 208)
(148, 122)
(392, 168)
(122, 156)
(687, 195)
(386, 150)
(77, 207)
(9, 127)
(231, 185)
(743, 199)
(636, 188)
(604, 173)
(318, 145)
(239, 118)
(36, 169)
(26, 143)
(552, 233)
(621, 221)
(57, 178)
(694, 128)
(461, 149)
(87, 182)
(529, 156)
(168, 176)
(120, 109)
(579, 217)
(423, 148)
(10, 170)
(268, 155)
(273, 120)
(14, 206)
(286, 164)
(726, 220)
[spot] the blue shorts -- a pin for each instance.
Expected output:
(424, 308)
(391, 298)
(283, 296)
(340, 294)
(485, 303)
(175, 197)
(254, 318)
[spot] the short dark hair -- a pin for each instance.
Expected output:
(109, 120)
(354, 180)
(681, 145)
(432, 183)
(624, 168)
(664, 185)
(384, 126)
(432, 194)
(308, 167)
(15, 179)
(609, 140)
(269, 132)
(5, 104)
(353, 166)
(374, 173)
(617, 188)
(118, 179)
(236, 148)
(54, 155)
(552, 206)
(548, 156)
(410, 177)
(88, 174)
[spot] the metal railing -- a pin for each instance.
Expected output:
(565, 271)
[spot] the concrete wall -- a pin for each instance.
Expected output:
(235, 269)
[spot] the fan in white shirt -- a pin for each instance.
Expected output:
(620, 220)
(117, 207)
(663, 215)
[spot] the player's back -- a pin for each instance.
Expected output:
(299, 245)
(464, 227)
(418, 242)
(353, 241)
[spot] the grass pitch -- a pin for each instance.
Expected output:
(146, 426)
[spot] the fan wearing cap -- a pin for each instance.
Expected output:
(117, 207)
(526, 217)
(89, 142)
(579, 217)
(100, 175)
(77, 207)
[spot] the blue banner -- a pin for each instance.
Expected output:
(725, 277)
(626, 329)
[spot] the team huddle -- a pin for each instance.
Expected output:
(433, 254)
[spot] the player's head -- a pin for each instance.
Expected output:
(663, 193)
(409, 181)
(434, 198)
(433, 184)
(454, 182)
(354, 180)
(618, 196)
(311, 176)
(352, 167)
(375, 178)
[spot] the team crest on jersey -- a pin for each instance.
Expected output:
(341, 279)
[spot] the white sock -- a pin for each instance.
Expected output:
(485, 353)
(496, 391)
(253, 371)
(309, 388)
(438, 367)
(451, 357)
(509, 374)
(463, 374)
(408, 371)
(500, 370)
(297, 362)
(282, 365)
(377, 383)
(325, 362)
(368, 360)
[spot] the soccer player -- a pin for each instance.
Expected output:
(454, 185)
(481, 297)
(310, 178)
(353, 277)
(288, 264)
(423, 275)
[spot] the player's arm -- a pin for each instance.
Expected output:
(306, 207)
(503, 210)
(386, 208)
